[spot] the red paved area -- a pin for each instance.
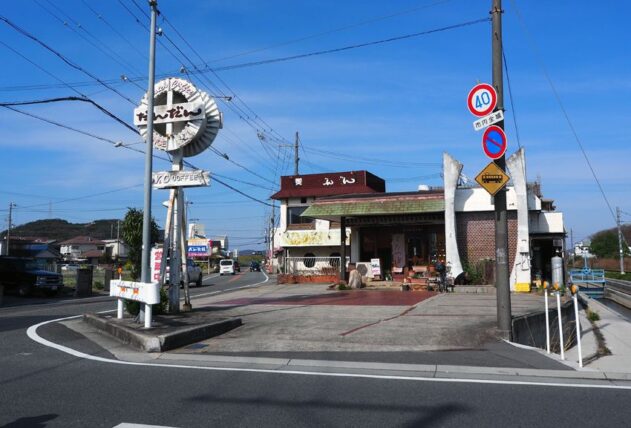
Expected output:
(343, 298)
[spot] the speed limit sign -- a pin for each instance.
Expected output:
(482, 99)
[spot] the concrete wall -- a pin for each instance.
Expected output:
(531, 329)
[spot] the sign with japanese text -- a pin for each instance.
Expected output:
(486, 121)
(146, 292)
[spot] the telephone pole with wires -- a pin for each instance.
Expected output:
(296, 158)
(502, 282)
(8, 239)
(620, 239)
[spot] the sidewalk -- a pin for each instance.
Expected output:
(616, 331)
(309, 322)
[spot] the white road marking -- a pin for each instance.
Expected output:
(32, 333)
(128, 425)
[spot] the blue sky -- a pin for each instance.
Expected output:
(396, 102)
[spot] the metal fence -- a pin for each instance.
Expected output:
(312, 265)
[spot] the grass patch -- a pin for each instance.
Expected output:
(592, 315)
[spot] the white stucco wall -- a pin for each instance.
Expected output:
(546, 222)
(478, 199)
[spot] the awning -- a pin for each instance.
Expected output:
(333, 210)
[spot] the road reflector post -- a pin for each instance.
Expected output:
(574, 290)
(545, 290)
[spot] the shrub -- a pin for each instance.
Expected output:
(592, 316)
(474, 273)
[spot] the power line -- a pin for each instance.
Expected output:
(81, 99)
(562, 107)
(345, 48)
(335, 30)
(95, 42)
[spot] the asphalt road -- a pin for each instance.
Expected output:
(44, 387)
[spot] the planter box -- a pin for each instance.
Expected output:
(305, 279)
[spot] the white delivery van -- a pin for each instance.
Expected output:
(227, 267)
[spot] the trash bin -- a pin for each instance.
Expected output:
(84, 282)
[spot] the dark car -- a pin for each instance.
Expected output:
(26, 275)
(255, 267)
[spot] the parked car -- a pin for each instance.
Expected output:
(229, 267)
(25, 275)
(195, 273)
(255, 267)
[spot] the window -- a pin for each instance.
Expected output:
(303, 200)
(309, 260)
(293, 216)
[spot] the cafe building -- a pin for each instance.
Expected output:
(349, 216)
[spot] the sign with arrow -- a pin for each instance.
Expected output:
(492, 178)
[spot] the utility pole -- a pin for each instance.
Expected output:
(620, 247)
(273, 232)
(145, 275)
(296, 158)
(8, 241)
(502, 283)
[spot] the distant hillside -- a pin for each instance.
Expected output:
(61, 230)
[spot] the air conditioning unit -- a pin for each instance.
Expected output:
(364, 269)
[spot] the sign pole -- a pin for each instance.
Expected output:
(146, 220)
(502, 283)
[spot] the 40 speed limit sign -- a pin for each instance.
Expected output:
(482, 99)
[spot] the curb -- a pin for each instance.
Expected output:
(147, 342)
(431, 370)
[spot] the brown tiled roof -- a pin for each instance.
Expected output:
(79, 240)
(92, 254)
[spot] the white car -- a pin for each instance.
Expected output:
(228, 267)
(195, 273)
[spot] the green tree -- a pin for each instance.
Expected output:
(605, 244)
(131, 232)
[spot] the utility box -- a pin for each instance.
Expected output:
(557, 271)
(84, 283)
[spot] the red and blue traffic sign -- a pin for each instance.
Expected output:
(494, 142)
(482, 99)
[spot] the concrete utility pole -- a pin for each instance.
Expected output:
(502, 283)
(145, 275)
(296, 158)
(11, 206)
(620, 247)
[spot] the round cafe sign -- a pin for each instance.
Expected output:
(184, 117)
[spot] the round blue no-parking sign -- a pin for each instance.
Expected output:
(494, 142)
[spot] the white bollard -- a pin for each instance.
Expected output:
(558, 293)
(578, 325)
(545, 287)
(148, 310)
(119, 312)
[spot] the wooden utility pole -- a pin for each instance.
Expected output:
(502, 283)
(8, 241)
(620, 247)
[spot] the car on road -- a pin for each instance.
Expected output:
(26, 275)
(229, 267)
(194, 272)
(255, 267)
